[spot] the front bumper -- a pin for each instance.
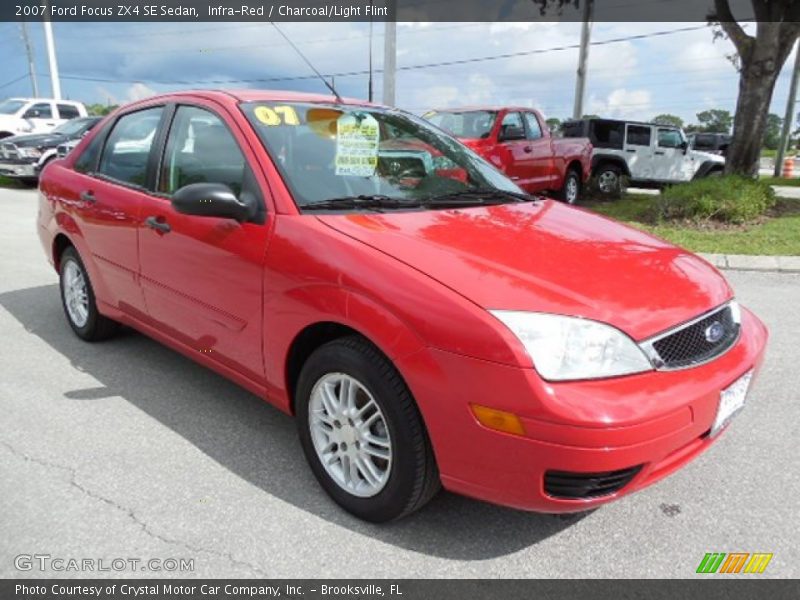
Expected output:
(19, 169)
(657, 421)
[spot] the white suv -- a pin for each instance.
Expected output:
(36, 115)
(647, 154)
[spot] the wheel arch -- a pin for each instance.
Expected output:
(357, 315)
(601, 160)
(60, 243)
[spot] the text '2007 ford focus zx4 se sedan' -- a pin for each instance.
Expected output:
(426, 322)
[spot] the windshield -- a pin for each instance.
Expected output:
(10, 107)
(327, 152)
(473, 124)
(74, 127)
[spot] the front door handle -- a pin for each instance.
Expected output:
(158, 225)
(88, 196)
(527, 149)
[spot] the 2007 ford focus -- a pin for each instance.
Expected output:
(426, 322)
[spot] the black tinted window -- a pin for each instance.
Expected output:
(638, 135)
(87, 161)
(127, 148)
(669, 138)
(42, 110)
(67, 111)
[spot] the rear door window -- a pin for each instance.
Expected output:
(128, 146)
(67, 111)
(638, 135)
(534, 130)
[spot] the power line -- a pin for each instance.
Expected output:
(8, 83)
(431, 65)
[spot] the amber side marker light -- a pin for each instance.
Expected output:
(499, 420)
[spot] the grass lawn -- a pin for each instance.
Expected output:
(6, 182)
(777, 234)
(794, 182)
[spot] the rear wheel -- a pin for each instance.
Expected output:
(609, 180)
(362, 433)
(571, 190)
(79, 302)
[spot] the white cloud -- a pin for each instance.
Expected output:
(622, 103)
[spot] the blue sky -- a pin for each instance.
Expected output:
(680, 73)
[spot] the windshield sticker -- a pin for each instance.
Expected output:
(357, 139)
(278, 115)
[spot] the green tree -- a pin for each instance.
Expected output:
(667, 119)
(715, 120)
(553, 124)
(772, 133)
(101, 110)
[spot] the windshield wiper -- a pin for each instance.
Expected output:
(372, 202)
(479, 196)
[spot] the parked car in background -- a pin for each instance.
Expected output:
(24, 156)
(714, 143)
(426, 327)
(518, 142)
(36, 115)
(646, 154)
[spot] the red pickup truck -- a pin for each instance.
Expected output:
(518, 142)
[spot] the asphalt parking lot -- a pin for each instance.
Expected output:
(127, 449)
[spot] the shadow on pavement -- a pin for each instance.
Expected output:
(257, 442)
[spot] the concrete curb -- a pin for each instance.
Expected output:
(744, 262)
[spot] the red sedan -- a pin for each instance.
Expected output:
(426, 322)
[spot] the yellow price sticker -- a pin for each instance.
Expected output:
(276, 115)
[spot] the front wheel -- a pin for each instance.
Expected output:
(362, 433)
(79, 302)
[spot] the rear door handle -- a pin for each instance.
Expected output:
(631, 151)
(88, 196)
(660, 153)
(154, 223)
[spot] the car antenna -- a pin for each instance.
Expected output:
(308, 62)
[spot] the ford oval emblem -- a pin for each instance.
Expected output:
(714, 332)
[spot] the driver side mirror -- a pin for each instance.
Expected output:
(210, 200)
(684, 145)
(510, 134)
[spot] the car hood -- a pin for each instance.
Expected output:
(548, 257)
(37, 140)
(709, 156)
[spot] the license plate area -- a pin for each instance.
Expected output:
(731, 401)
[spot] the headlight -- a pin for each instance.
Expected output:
(564, 348)
(29, 152)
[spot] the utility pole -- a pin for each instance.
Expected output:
(31, 63)
(55, 82)
(369, 83)
(583, 58)
(789, 117)
(389, 62)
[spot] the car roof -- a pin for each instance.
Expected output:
(250, 95)
(62, 101)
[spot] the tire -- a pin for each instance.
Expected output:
(80, 308)
(401, 476)
(571, 190)
(608, 178)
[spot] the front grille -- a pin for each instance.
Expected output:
(9, 151)
(577, 486)
(698, 341)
